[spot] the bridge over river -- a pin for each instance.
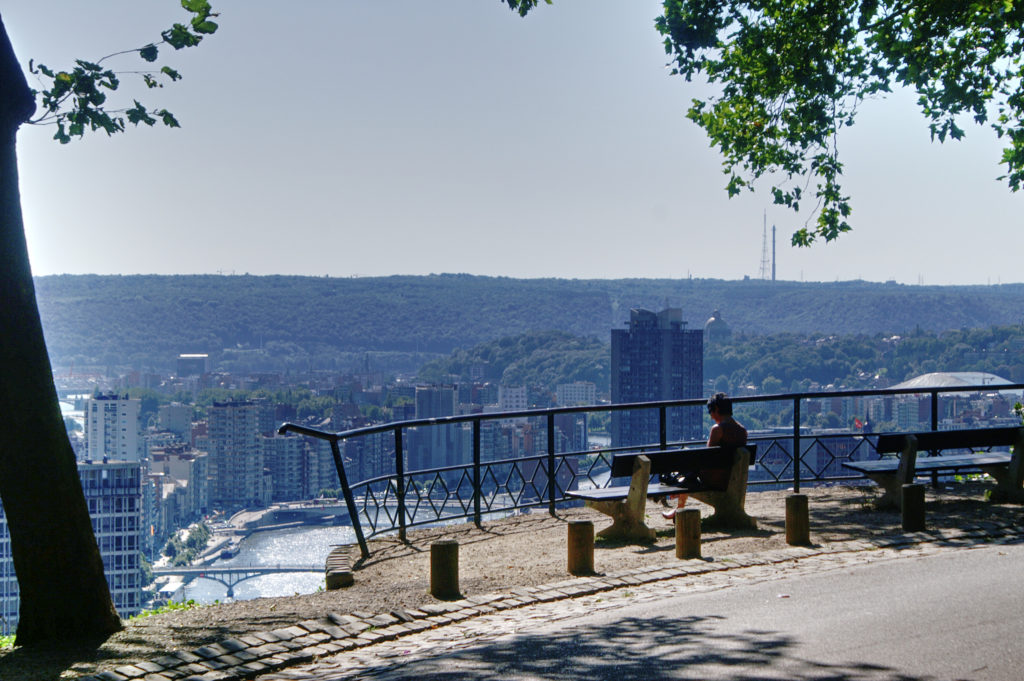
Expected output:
(229, 576)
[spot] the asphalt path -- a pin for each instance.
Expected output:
(954, 614)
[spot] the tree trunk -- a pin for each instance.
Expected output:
(64, 594)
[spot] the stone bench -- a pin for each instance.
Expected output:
(626, 504)
(891, 473)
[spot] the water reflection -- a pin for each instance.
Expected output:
(294, 546)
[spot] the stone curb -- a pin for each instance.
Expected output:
(262, 652)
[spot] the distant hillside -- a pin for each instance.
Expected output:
(147, 320)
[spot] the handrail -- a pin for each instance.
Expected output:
(483, 477)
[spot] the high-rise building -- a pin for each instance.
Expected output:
(289, 465)
(656, 358)
(8, 582)
(236, 457)
(112, 429)
(113, 493)
(434, 401)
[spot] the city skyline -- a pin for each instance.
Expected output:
(365, 139)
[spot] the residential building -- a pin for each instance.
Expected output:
(656, 358)
(289, 465)
(577, 393)
(113, 493)
(176, 418)
(236, 457)
(8, 582)
(512, 398)
(112, 429)
(113, 496)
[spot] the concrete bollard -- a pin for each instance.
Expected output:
(798, 523)
(444, 569)
(338, 569)
(912, 507)
(581, 547)
(687, 533)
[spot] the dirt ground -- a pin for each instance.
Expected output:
(525, 550)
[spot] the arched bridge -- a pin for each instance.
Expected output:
(230, 575)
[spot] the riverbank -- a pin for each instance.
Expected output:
(516, 552)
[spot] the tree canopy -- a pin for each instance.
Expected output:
(75, 99)
(792, 73)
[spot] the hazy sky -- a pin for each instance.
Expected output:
(375, 137)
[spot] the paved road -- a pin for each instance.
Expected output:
(935, 615)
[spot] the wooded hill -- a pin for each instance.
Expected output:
(311, 322)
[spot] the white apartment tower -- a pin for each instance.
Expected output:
(112, 429)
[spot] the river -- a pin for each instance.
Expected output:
(293, 546)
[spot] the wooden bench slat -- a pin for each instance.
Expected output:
(950, 439)
(932, 463)
(671, 460)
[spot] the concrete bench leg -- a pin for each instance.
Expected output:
(729, 504)
(626, 525)
(1010, 479)
(628, 514)
(892, 489)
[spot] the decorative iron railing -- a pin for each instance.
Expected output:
(482, 485)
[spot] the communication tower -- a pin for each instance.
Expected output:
(765, 263)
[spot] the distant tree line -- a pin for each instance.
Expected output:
(278, 323)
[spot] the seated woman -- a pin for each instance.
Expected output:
(728, 432)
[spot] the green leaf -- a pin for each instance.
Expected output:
(149, 53)
(205, 27)
(170, 73)
(179, 37)
(138, 114)
(168, 118)
(196, 6)
(61, 135)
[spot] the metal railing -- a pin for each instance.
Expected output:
(478, 487)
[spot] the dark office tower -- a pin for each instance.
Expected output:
(656, 358)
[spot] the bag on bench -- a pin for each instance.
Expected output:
(684, 481)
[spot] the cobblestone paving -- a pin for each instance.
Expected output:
(361, 645)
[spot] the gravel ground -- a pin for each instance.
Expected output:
(525, 550)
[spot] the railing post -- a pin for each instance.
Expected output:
(400, 484)
(350, 502)
(663, 426)
(551, 464)
(477, 492)
(796, 445)
(935, 410)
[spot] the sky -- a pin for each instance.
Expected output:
(378, 137)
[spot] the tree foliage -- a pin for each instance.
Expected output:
(75, 99)
(538, 359)
(792, 73)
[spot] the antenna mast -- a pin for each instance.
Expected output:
(773, 252)
(765, 266)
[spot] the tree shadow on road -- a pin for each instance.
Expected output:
(688, 647)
